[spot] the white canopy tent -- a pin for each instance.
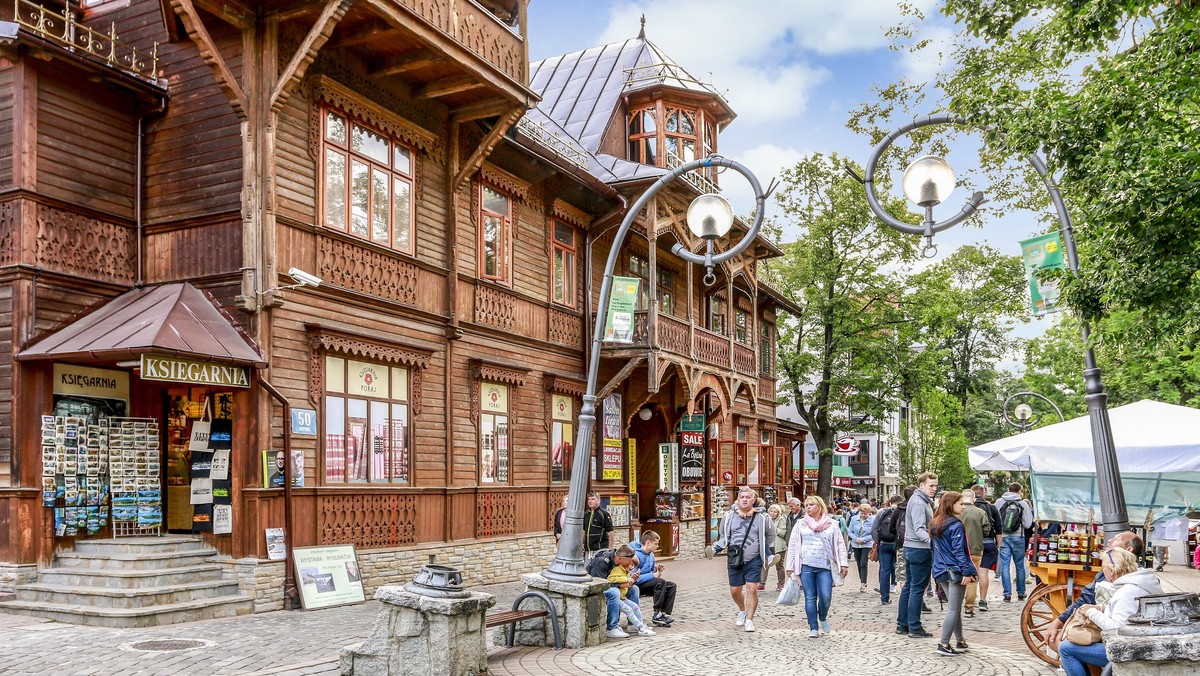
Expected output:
(1158, 453)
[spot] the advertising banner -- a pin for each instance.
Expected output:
(618, 324)
(611, 467)
(328, 576)
(1043, 253)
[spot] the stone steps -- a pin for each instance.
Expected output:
(132, 582)
(174, 613)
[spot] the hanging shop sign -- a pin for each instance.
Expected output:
(175, 369)
(854, 481)
(1042, 253)
(691, 457)
(90, 382)
(847, 445)
(622, 304)
(632, 465)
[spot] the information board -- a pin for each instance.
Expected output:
(328, 576)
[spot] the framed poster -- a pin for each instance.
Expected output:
(328, 576)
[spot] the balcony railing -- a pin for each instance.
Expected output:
(743, 359)
(60, 27)
(480, 31)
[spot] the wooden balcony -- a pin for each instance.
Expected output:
(677, 336)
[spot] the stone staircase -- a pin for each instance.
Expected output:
(132, 582)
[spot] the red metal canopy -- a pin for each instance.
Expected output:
(171, 319)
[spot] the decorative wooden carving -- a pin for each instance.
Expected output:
(673, 334)
(506, 182)
(496, 514)
(743, 359)
(370, 519)
(712, 348)
(84, 245)
(8, 233)
(576, 217)
(353, 266)
(477, 30)
(326, 90)
(565, 328)
(325, 340)
(495, 307)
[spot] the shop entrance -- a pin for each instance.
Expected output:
(199, 438)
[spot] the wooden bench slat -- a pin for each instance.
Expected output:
(512, 616)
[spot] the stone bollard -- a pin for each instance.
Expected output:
(1161, 639)
(429, 626)
(580, 606)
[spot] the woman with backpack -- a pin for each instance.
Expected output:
(952, 567)
(883, 532)
(816, 557)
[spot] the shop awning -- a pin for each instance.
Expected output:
(170, 319)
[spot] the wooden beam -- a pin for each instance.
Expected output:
(406, 62)
(447, 87)
(211, 56)
(485, 146)
(235, 13)
(307, 52)
(620, 377)
(481, 110)
(297, 10)
(362, 36)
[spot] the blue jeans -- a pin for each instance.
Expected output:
(887, 569)
(1012, 547)
(918, 565)
(612, 598)
(818, 591)
(1074, 657)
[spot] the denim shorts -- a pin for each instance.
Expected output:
(750, 571)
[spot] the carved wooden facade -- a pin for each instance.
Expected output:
(210, 169)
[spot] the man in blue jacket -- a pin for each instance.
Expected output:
(650, 579)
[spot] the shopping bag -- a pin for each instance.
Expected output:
(791, 594)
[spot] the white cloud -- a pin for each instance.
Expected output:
(924, 65)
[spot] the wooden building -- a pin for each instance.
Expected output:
(332, 267)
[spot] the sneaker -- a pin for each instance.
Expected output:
(925, 608)
(761, 586)
(1020, 597)
(825, 627)
(645, 631)
(893, 589)
(945, 650)
(749, 625)
(662, 619)
(983, 605)
(708, 552)
(884, 602)
(961, 647)
(616, 632)
(778, 587)
(920, 633)
(741, 618)
(862, 588)
(1007, 598)
(813, 633)
(968, 613)
(772, 560)
(901, 630)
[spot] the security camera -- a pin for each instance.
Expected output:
(303, 278)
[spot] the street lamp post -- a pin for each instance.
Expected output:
(927, 183)
(1023, 413)
(709, 217)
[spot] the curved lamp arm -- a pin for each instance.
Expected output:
(710, 259)
(1023, 427)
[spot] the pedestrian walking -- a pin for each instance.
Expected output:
(991, 546)
(861, 542)
(746, 536)
(775, 512)
(917, 556)
(1016, 516)
(883, 532)
(817, 558)
(978, 528)
(952, 567)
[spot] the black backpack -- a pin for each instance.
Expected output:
(1011, 517)
(887, 527)
(601, 564)
(894, 526)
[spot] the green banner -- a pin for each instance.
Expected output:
(618, 324)
(1043, 253)
(692, 423)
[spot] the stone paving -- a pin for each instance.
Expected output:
(703, 640)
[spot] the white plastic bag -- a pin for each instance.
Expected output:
(791, 594)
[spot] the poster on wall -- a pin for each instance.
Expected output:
(612, 459)
(612, 417)
(668, 459)
(276, 545)
(273, 468)
(618, 509)
(329, 576)
(222, 519)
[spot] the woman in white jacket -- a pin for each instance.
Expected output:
(1131, 583)
(815, 551)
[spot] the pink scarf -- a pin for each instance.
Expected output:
(818, 526)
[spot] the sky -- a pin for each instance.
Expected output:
(792, 70)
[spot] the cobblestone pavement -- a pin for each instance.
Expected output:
(703, 640)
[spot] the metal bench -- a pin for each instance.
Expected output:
(512, 617)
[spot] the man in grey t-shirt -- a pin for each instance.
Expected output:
(753, 532)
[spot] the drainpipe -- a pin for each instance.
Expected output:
(290, 594)
(139, 169)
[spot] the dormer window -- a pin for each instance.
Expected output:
(667, 135)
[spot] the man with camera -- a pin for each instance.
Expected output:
(746, 536)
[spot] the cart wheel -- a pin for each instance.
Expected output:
(1044, 606)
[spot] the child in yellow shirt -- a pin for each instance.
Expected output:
(619, 575)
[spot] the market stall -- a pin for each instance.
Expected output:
(1158, 453)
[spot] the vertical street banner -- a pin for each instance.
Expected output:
(1043, 253)
(632, 464)
(622, 302)
(691, 454)
(612, 449)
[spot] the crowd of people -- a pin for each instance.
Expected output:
(923, 540)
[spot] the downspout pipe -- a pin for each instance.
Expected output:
(290, 593)
(138, 179)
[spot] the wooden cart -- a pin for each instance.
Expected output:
(1060, 586)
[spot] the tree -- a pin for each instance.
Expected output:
(837, 355)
